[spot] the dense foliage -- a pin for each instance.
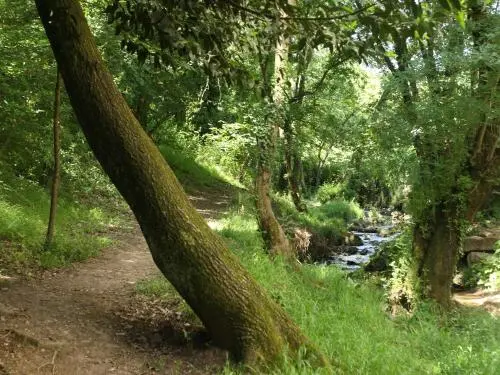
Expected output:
(386, 106)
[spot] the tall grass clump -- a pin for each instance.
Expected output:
(330, 219)
(194, 174)
(349, 321)
(24, 208)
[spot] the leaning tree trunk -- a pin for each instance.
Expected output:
(272, 232)
(238, 314)
(54, 191)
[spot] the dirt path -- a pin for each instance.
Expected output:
(87, 319)
(480, 298)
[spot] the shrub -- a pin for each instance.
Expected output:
(24, 209)
(329, 191)
(341, 209)
(489, 272)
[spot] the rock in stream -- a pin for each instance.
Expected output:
(372, 240)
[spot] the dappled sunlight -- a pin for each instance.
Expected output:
(480, 298)
(344, 154)
(215, 224)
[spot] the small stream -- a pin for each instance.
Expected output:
(371, 243)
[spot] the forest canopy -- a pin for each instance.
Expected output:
(290, 164)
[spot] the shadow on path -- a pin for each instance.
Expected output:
(87, 319)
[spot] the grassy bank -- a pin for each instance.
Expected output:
(85, 214)
(193, 174)
(348, 319)
(81, 225)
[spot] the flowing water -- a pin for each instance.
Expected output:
(371, 243)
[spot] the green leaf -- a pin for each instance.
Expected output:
(445, 4)
(460, 16)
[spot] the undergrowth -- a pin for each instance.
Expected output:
(329, 219)
(194, 174)
(24, 209)
(348, 319)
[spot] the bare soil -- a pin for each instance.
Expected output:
(490, 301)
(88, 319)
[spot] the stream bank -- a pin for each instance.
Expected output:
(358, 256)
(371, 233)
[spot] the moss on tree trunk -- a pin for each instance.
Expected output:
(274, 237)
(272, 232)
(292, 163)
(436, 246)
(238, 314)
(437, 238)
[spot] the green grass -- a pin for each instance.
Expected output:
(24, 208)
(348, 319)
(192, 174)
(330, 219)
(339, 208)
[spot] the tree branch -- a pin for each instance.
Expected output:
(263, 15)
(339, 17)
(317, 86)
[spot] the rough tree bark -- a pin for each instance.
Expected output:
(292, 160)
(238, 314)
(272, 232)
(436, 243)
(54, 191)
(437, 236)
(292, 163)
(437, 232)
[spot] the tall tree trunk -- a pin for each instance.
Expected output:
(272, 232)
(292, 168)
(292, 161)
(238, 314)
(436, 246)
(437, 242)
(437, 237)
(54, 192)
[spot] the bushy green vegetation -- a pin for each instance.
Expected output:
(484, 274)
(192, 174)
(24, 207)
(350, 322)
(416, 126)
(330, 219)
(330, 191)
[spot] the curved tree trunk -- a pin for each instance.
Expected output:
(54, 191)
(274, 237)
(272, 232)
(238, 314)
